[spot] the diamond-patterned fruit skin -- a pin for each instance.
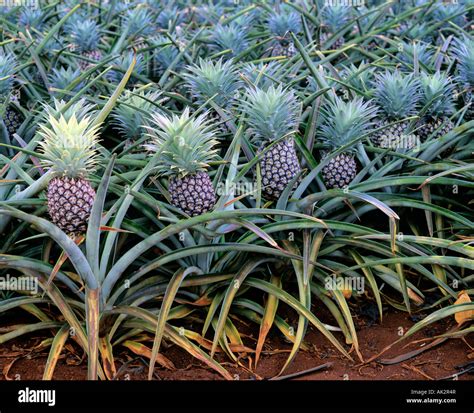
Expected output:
(94, 55)
(340, 171)
(12, 120)
(193, 194)
(287, 50)
(432, 125)
(278, 166)
(70, 202)
(338, 43)
(395, 136)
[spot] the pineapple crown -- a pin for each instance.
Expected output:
(272, 113)
(280, 24)
(85, 35)
(187, 144)
(7, 70)
(209, 78)
(334, 17)
(139, 21)
(231, 37)
(165, 53)
(132, 113)
(80, 109)
(123, 62)
(69, 145)
(417, 50)
(397, 94)
(30, 17)
(262, 74)
(437, 94)
(343, 121)
(464, 53)
(447, 11)
(359, 77)
(61, 78)
(167, 16)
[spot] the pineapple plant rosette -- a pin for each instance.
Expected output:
(69, 152)
(273, 115)
(85, 35)
(280, 25)
(333, 19)
(343, 122)
(397, 96)
(186, 145)
(438, 101)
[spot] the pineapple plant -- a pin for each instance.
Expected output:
(31, 19)
(8, 95)
(438, 100)
(273, 115)
(186, 146)
(123, 63)
(261, 75)
(61, 78)
(397, 96)
(231, 37)
(85, 36)
(69, 151)
(415, 50)
(280, 25)
(333, 19)
(139, 23)
(163, 55)
(464, 54)
(343, 122)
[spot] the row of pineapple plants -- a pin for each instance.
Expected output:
(122, 122)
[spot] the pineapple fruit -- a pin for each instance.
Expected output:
(69, 152)
(186, 146)
(396, 96)
(333, 19)
(464, 54)
(280, 25)
(437, 98)
(85, 36)
(8, 95)
(343, 122)
(273, 115)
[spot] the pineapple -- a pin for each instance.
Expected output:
(333, 19)
(397, 96)
(69, 152)
(437, 98)
(31, 19)
(123, 63)
(187, 146)
(9, 96)
(85, 36)
(130, 116)
(280, 25)
(163, 55)
(273, 115)
(464, 54)
(61, 78)
(231, 37)
(216, 80)
(139, 23)
(343, 122)
(418, 51)
(261, 75)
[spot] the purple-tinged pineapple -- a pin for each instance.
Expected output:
(281, 25)
(11, 118)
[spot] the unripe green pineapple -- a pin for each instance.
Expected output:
(69, 148)
(280, 26)
(85, 36)
(11, 118)
(187, 146)
(333, 19)
(396, 96)
(273, 115)
(342, 122)
(464, 54)
(132, 113)
(438, 99)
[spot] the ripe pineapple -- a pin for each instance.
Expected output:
(132, 113)
(437, 97)
(187, 145)
(273, 116)
(464, 54)
(280, 25)
(69, 151)
(209, 78)
(231, 37)
(342, 122)
(396, 96)
(8, 96)
(333, 19)
(85, 36)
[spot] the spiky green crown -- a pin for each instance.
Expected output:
(168, 16)
(61, 79)
(335, 17)
(85, 35)
(344, 121)
(464, 53)
(209, 78)
(451, 12)
(416, 50)
(69, 145)
(123, 63)
(437, 94)
(281, 24)
(80, 109)
(230, 37)
(30, 17)
(262, 75)
(359, 77)
(187, 143)
(165, 53)
(139, 21)
(7, 70)
(271, 114)
(397, 94)
(132, 113)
